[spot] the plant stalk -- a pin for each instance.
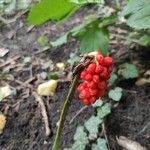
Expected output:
(64, 113)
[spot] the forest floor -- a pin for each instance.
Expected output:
(25, 129)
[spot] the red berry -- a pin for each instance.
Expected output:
(102, 85)
(86, 102)
(108, 61)
(98, 69)
(96, 78)
(83, 74)
(84, 94)
(82, 86)
(93, 92)
(101, 93)
(92, 85)
(91, 68)
(81, 96)
(104, 75)
(109, 69)
(93, 99)
(100, 59)
(88, 77)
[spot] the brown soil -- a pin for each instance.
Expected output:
(25, 128)
(130, 118)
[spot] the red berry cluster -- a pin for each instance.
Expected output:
(94, 79)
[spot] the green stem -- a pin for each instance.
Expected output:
(64, 113)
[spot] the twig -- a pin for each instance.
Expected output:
(44, 113)
(23, 84)
(82, 109)
(27, 82)
(104, 132)
(8, 21)
(9, 61)
(145, 127)
(30, 80)
(64, 112)
(130, 91)
(31, 71)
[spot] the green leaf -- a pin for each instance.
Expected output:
(80, 134)
(108, 20)
(23, 4)
(53, 75)
(115, 94)
(80, 29)
(73, 32)
(128, 71)
(141, 19)
(50, 9)
(112, 79)
(104, 110)
(80, 138)
(101, 145)
(144, 40)
(42, 40)
(77, 146)
(92, 124)
(94, 38)
(60, 41)
(87, 1)
(137, 13)
(11, 6)
(134, 6)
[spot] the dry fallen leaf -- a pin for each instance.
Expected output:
(142, 81)
(147, 73)
(3, 52)
(128, 144)
(5, 92)
(2, 123)
(145, 79)
(47, 88)
(60, 66)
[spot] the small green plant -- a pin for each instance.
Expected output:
(89, 131)
(128, 71)
(137, 14)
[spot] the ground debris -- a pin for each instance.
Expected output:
(142, 81)
(129, 144)
(47, 88)
(3, 52)
(2, 123)
(44, 113)
(10, 60)
(5, 91)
